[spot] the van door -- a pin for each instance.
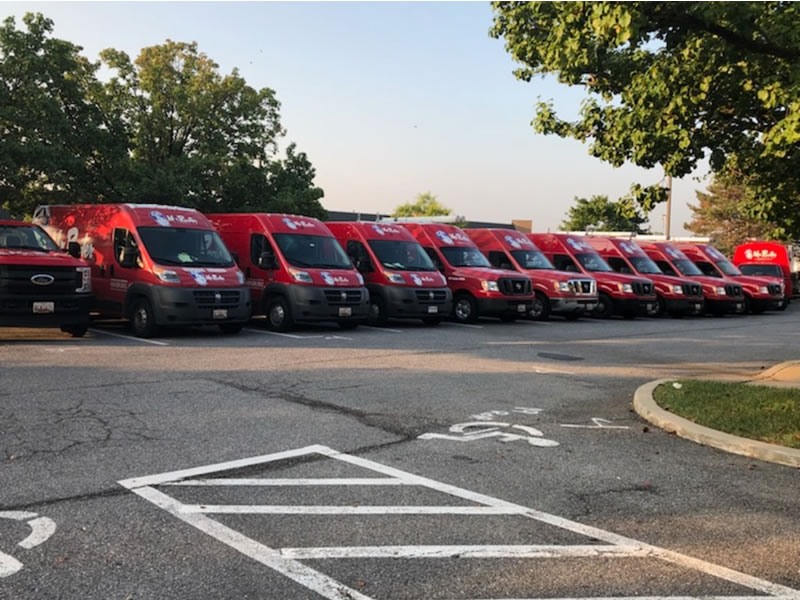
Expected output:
(500, 260)
(120, 271)
(435, 258)
(360, 257)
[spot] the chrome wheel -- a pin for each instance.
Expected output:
(277, 315)
(463, 309)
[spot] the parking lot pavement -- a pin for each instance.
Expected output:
(515, 429)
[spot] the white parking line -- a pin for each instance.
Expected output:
(128, 337)
(265, 509)
(539, 551)
(382, 329)
(290, 482)
(286, 335)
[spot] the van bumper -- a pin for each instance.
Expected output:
(761, 304)
(571, 305)
(416, 303)
(310, 303)
(684, 306)
(504, 306)
(200, 306)
(634, 306)
(70, 311)
(725, 307)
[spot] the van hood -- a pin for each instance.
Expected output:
(205, 276)
(484, 273)
(753, 283)
(669, 279)
(333, 277)
(619, 277)
(425, 279)
(36, 258)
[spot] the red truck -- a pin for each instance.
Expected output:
(478, 288)
(295, 268)
(402, 280)
(155, 265)
(556, 292)
(760, 293)
(619, 294)
(40, 285)
(721, 296)
(675, 295)
(770, 259)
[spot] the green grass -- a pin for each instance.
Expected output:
(757, 412)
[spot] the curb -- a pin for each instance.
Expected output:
(645, 405)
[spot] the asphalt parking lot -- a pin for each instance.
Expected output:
(408, 462)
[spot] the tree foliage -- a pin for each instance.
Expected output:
(425, 205)
(599, 214)
(721, 214)
(167, 127)
(669, 83)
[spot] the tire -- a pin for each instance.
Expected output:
(143, 321)
(348, 324)
(540, 311)
(783, 305)
(431, 321)
(661, 307)
(231, 328)
(748, 305)
(76, 331)
(279, 315)
(465, 309)
(377, 311)
(604, 308)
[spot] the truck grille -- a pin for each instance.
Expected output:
(642, 289)
(217, 298)
(343, 297)
(582, 287)
(774, 289)
(514, 287)
(733, 290)
(431, 296)
(691, 289)
(16, 279)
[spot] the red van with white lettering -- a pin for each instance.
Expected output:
(478, 289)
(40, 285)
(675, 295)
(721, 296)
(760, 293)
(154, 265)
(295, 268)
(402, 280)
(557, 292)
(767, 259)
(618, 294)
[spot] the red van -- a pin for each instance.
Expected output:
(295, 268)
(478, 289)
(557, 292)
(760, 293)
(675, 295)
(768, 259)
(721, 296)
(154, 265)
(619, 294)
(40, 285)
(402, 280)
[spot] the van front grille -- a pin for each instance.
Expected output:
(641, 288)
(343, 297)
(733, 290)
(217, 298)
(514, 287)
(691, 289)
(431, 296)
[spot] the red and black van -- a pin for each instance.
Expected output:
(768, 259)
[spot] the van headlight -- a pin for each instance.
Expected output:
(240, 277)
(301, 276)
(394, 277)
(562, 286)
(490, 286)
(85, 278)
(720, 291)
(626, 288)
(167, 275)
(360, 278)
(762, 289)
(677, 289)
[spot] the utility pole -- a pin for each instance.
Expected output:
(669, 206)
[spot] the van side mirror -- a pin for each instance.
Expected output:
(74, 249)
(128, 258)
(267, 260)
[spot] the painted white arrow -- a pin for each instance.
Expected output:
(41, 529)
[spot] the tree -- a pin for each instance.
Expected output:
(669, 83)
(720, 214)
(426, 205)
(602, 215)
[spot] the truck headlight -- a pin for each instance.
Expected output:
(490, 286)
(301, 276)
(720, 291)
(85, 278)
(394, 277)
(167, 275)
(677, 289)
(762, 289)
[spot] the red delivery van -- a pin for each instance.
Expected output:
(760, 293)
(625, 295)
(478, 289)
(721, 296)
(295, 268)
(154, 265)
(557, 292)
(675, 295)
(40, 285)
(401, 279)
(768, 259)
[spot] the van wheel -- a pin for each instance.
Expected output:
(604, 308)
(540, 310)
(465, 309)
(660, 309)
(748, 305)
(279, 317)
(231, 328)
(76, 331)
(377, 311)
(431, 321)
(143, 321)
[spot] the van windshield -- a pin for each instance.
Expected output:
(770, 270)
(728, 268)
(644, 265)
(25, 237)
(531, 259)
(401, 256)
(464, 256)
(686, 267)
(312, 251)
(593, 262)
(184, 247)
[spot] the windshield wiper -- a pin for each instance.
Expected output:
(330, 266)
(299, 263)
(169, 261)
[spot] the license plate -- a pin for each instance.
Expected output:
(44, 307)
(219, 313)
(345, 311)
(433, 309)
(739, 307)
(521, 308)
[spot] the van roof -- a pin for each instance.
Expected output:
(511, 239)
(146, 215)
(446, 235)
(379, 231)
(627, 247)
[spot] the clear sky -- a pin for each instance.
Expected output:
(387, 99)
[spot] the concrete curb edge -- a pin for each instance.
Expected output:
(645, 405)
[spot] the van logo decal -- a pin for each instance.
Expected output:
(430, 295)
(344, 296)
(442, 235)
(218, 298)
(328, 278)
(160, 218)
(628, 247)
(513, 242)
(199, 277)
(42, 279)
(416, 279)
(295, 224)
